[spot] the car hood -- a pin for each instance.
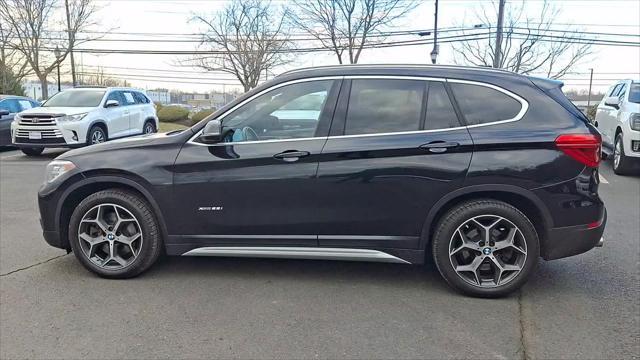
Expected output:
(141, 142)
(58, 110)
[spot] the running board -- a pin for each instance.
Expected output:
(298, 253)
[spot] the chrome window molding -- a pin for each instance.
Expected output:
(524, 105)
(523, 109)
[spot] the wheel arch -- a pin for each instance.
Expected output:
(93, 183)
(520, 198)
(98, 122)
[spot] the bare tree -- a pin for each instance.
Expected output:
(347, 25)
(99, 78)
(13, 68)
(33, 24)
(246, 39)
(529, 44)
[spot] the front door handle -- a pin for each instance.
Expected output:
(439, 146)
(291, 155)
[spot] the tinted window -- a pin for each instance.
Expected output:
(11, 105)
(440, 112)
(615, 90)
(288, 112)
(622, 91)
(380, 106)
(117, 96)
(481, 104)
(76, 98)
(140, 98)
(634, 93)
(128, 98)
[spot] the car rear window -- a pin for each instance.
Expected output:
(384, 105)
(482, 104)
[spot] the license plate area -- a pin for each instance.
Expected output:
(35, 135)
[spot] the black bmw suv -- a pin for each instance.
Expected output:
(481, 171)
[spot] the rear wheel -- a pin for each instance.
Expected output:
(621, 162)
(32, 151)
(485, 248)
(115, 234)
(149, 128)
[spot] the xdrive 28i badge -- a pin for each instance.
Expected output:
(210, 208)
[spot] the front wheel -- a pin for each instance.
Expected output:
(96, 135)
(621, 162)
(485, 248)
(114, 233)
(149, 128)
(32, 151)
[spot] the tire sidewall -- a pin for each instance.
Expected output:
(146, 125)
(621, 168)
(149, 228)
(93, 130)
(456, 217)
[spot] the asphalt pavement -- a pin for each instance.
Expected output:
(587, 306)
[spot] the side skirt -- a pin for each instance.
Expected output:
(298, 253)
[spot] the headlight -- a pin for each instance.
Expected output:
(57, 168)
(634, 121)
(76, 117)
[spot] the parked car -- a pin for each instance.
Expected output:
(618, 119)
(10, 105)
(84, 116)
(481, 171)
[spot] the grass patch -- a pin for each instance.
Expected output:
(166, 127)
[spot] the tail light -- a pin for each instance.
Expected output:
(585, 148)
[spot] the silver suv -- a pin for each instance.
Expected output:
(84, 116)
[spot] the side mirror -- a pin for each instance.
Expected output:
(612, 101)
(111, 103)
(4, 112)
(212, 132)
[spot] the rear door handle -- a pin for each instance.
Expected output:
(291, 155)
(439, 146)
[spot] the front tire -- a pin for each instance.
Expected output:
(149, 128)
(115, 234)
(96, 135)
(485, 248)
(32, 151)
(621, 163)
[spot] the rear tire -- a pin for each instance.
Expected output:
(485, 248)
(621, 163)
(149, 128)
(32, 151)
(115, 234)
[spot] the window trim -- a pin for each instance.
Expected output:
(524, 105)
(523, 109)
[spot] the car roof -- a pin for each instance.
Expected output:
(106, 88)
(452, 71)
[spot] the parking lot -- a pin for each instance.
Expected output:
(586, 306)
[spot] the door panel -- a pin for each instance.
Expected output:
(379, 186)
(134, 126)
(258, 186)
(117, 117)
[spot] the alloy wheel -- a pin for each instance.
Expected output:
(110, 236)
(487, 251)
(148, 129)
(97, 137)
(617, 153)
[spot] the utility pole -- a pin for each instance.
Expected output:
(434, 52)
(71, 44)
(497, 56)
(590, 82)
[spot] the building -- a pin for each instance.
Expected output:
(161, 96)
(33, 88)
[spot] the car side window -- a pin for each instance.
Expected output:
(115, 95)
(482, 104)
(140, 98)
(288, 112)
(11, 105)
(440, 111)
(128, 98)
(622, 92)
(615, 90)
(384, 105)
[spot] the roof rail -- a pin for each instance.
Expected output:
(90, 87)
(423, 66)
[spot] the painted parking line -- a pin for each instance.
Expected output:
(603, 180)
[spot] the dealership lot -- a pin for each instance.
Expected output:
(50, 307)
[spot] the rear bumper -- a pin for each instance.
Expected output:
(573, 240)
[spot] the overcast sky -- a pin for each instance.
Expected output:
(172, 18)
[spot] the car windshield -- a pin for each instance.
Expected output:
(634, 93)
(76, 98)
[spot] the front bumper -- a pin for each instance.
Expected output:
(573, 240)
(47, 133)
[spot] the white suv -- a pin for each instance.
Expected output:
(618, 119)
(84, 116)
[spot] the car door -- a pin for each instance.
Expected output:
(134, 108)
(13, 107)
(257, 186)
(117, 117)
(396, 147)
(606, 115)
